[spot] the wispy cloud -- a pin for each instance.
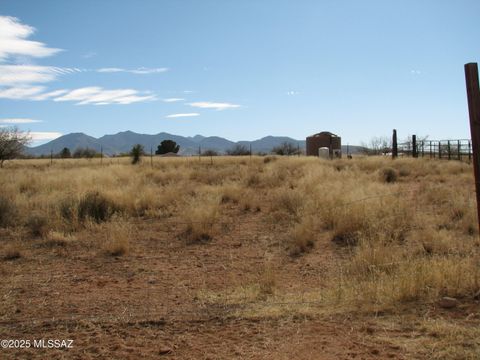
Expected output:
(26, 92)
(21, 93)
(88, 95)
(171, 100)
(415, 72)
(140, 70)
(27, 82)
(214, 105)
(182, 115)
(99, 96)
(14, 75)
(293, 92)
(19, 121)
(44, 135)
(13, 40)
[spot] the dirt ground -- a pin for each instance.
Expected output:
(148, 303)
(238, 295)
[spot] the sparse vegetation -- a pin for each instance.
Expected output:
(8, 211)
(255, 238)
(136, 153)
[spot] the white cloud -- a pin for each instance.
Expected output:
(26, 92)
(13, 40)
(170, 100)
(21, 93)
(49, 95)
(99, 96)
(140, 70)
(23, 81)
(19, 121)
(214, 105)
(182, 115)
(293, 92)
(14, 75)
(415, 72)
(82, 96)
(44, 135)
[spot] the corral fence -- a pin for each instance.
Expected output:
(459, 149)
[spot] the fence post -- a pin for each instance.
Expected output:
(440, 149)
(151, 157)
(473, 96)
(449, 150)
(459, 150)
(394, 144)
(51, 157)
(199, 153)
(414, 146)
(469, 151)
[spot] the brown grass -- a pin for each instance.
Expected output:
(377, 235)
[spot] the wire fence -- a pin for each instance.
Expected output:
(58, 296)
(460, 149)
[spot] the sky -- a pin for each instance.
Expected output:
(240, 69)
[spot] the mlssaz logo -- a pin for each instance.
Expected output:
(53, 343)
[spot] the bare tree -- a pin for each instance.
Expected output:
(377, 146)
(12, 143)
(286, 148)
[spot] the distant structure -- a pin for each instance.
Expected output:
(324, 139)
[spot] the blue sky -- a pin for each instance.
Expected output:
(240, 69)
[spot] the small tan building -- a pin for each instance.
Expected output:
(324, 139)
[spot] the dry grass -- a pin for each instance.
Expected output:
(394, 233)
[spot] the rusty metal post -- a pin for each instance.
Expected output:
(414, 146)
(473, 96)
(394, 144)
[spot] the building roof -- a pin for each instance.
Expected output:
(324, 133)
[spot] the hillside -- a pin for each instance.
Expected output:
(122, 142)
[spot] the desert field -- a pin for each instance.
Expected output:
(238, 257)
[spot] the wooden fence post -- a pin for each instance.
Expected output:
(414, 146)
(394, 144)
(473, 96)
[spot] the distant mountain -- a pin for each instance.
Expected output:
(72, 141)
(197, 138)
(267, 143)
(122, 142)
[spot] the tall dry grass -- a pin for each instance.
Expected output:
(408, 226)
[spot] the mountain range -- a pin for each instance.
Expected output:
(122, 142)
